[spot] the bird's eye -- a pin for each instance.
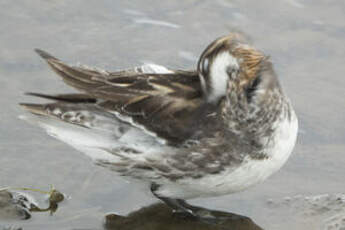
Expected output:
(232, 72)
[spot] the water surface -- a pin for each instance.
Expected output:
(304, 38)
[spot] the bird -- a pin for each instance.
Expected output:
(215, 130)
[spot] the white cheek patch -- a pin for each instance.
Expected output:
(219, 76)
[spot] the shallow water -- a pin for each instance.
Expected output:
(304, 38)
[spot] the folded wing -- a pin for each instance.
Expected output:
(168, 105)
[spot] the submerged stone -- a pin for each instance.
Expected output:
(159, 216)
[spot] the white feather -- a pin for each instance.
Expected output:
(249, 173)
(102, 134)
(154, 68)
(97, 143)
(219, 76)
(138, 126)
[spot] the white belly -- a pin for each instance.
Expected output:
(249, 173)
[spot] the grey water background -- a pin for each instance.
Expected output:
(304, 38)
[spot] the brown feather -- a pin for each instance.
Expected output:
(251, 59)
(71, 98)
(167, 104)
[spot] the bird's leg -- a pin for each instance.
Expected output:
(180, 207)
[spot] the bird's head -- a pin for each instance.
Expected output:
(241, 77)
(230, 65)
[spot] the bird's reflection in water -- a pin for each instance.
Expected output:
(159, 217)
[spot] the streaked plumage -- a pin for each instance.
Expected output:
(212, 131)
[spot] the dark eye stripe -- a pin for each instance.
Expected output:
(251, 89)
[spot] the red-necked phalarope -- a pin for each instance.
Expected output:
(216, 130)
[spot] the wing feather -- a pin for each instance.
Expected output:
(167, 104)
(71, 98)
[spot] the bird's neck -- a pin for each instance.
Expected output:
(254, 121)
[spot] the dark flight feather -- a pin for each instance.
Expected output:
(169, 104)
